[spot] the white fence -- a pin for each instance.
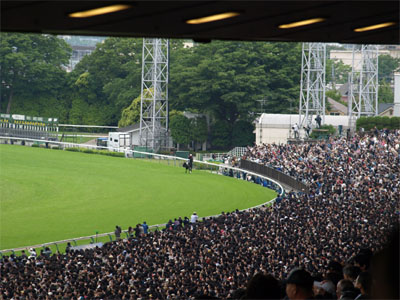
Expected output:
(220, 168)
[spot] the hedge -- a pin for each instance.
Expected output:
(200, 166)
(93, 151)
(369, 123)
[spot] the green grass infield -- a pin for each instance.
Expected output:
(50, 195)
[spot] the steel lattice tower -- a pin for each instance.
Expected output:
(312, 83)
(154, 93)
(363, 82)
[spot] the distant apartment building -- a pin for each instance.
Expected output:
(81, 46)
(346, 56)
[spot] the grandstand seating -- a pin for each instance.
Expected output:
(352, 204)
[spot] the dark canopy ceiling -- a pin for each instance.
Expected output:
(258, 20)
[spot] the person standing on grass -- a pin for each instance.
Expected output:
(190, 162)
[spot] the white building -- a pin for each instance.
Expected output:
(277, 128)
(346, 56)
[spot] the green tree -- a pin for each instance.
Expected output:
(112, 78)
(199, 129)
(131, 114)
(335, 95)
(180, 129)
(242, 134)
(221, 135)
(386, 67)
(33, 80)
(385, 93)
(224, 80)
(336, 71)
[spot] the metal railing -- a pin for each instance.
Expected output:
(221, 169)
(275, 174)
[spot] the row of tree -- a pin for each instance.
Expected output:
(220, 81)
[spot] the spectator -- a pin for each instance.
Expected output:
(299, 285)
(194, 218)
(324, 289)
(363, 283)
(130, 232)
(296, 131)
(32, 253)
(351, 272)
(137, 230)
(68, 247)
(263, 286)
(345, 290)
(145, 227)
(117, 232)
(362, 261)
(318, 120)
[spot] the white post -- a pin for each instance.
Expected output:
(396, 108)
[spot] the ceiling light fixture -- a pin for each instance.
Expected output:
(99, 11)
(374, 27)
(301, 23)
(213, 18)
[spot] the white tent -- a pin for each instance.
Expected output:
(277, 128)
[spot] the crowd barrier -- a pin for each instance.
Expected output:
(274, 174)
(172, 160)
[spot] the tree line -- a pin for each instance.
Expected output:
(219, 81)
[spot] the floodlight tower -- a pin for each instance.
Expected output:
(312, 83)
(363, 85)
(154, 93)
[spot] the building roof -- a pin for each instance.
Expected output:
(129, 128)
(344, 89)
(337, 106)
(384, 106)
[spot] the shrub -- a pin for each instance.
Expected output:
(73, 149)
(378, 122)
(361, 122)
(316, 134)
(368, 123)
(89, 151)
(385, 121)
(35, 145)
(395, 123)
(117, 154)
(199, 166)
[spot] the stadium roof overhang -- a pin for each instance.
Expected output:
(254, 20)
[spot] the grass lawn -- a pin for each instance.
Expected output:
(48, 195)
(77, 139)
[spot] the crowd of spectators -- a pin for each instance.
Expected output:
(326, 244)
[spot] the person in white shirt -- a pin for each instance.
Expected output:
(193, 218)
(296, 131)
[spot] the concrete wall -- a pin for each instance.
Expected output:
(396, 109)
(277, 128)
(135, 138)
(270, 134)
